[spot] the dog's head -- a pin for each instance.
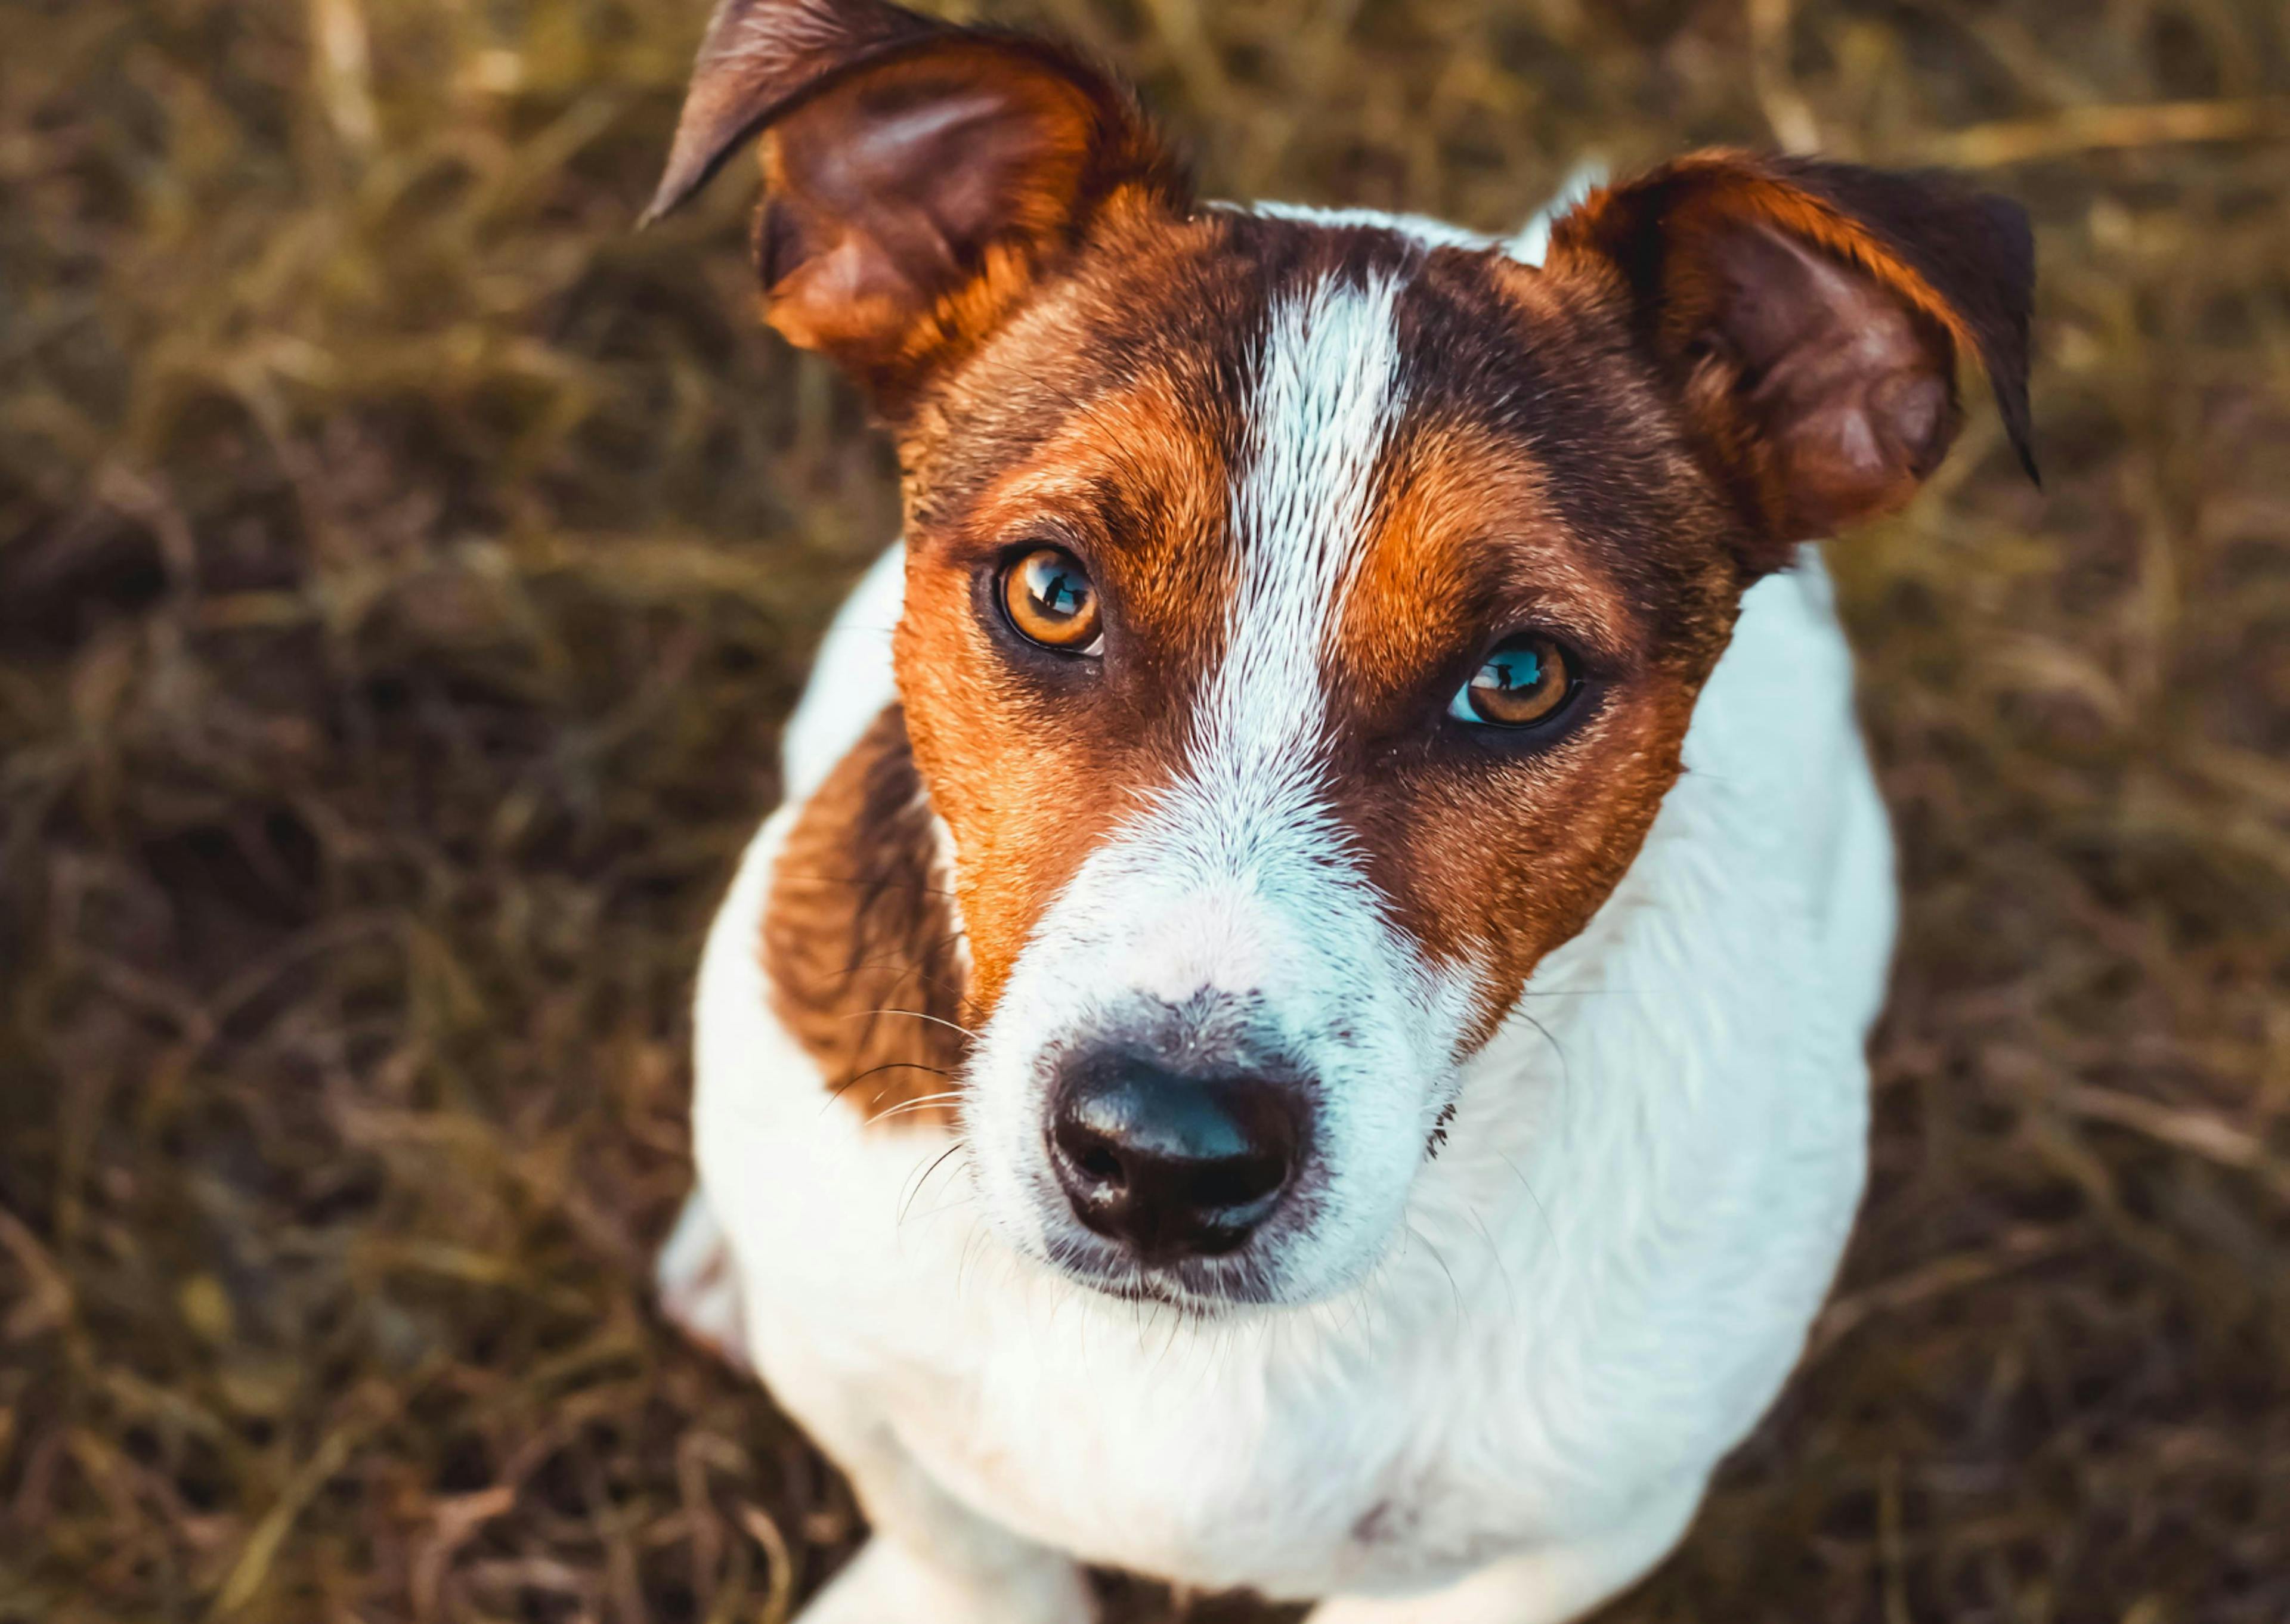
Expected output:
(1303, 619)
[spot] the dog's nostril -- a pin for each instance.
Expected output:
(1238, 1182)
(1170, 1163)
(1101, 1164)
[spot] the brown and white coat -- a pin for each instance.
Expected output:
(1569, 1017)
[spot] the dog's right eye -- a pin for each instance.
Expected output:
(1051, 600)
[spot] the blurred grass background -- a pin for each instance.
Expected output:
(403, 570)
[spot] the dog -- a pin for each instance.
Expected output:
(1301, 1026)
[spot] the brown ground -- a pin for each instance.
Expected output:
(403, 570)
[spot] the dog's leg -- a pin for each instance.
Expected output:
(1544, 1586)
(931, 1560)
(699, 1284)
(951, 1570)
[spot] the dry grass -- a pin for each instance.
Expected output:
(404, 569)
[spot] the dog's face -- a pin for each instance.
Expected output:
(1303, 621)
(1300, 633)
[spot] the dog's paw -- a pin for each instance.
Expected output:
(698, 1286)
(887, 1584)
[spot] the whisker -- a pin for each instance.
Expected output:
(840, 1088)
(922, 1103)
(1439, 1258)
(1540, 1212)
(1487, 1236)
(1566, 1075)
(906, 1206)
(952, 1026)
(899, 958)
(969, 1251)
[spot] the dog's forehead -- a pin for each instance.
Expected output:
(1187, 388)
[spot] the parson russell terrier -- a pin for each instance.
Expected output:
(1301, 1024)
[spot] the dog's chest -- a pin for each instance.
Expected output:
(1219, 1464)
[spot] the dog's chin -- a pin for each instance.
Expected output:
(1243, 1283)
(1192, 1289)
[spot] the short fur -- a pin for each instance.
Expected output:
(860, 941)
(1574, 1033)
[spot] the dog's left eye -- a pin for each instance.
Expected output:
(1525, 681)
(1051, 600)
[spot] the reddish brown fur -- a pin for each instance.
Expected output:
(1028, 778)
(1917, 272)
(1598, 451)
(859, 939)
(1469, 521)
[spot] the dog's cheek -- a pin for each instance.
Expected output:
(1491, 868)
(858, 942)
(1020, 800)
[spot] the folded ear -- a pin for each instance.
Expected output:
(918, 177)
(1811, 315)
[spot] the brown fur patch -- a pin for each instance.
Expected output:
(1540, 481)
(860, 937)
(1488, 854)
(1810, 316)
(918, 176)
(1095, 421)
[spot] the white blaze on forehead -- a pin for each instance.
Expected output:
(1237, 876)
(1328, 392)
(1248, 875)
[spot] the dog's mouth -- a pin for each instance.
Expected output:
(1195, 1288)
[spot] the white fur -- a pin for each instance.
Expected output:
(1528, 244)
(1593, 1293)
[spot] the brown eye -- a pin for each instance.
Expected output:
(1523, 680)
(1050, 599)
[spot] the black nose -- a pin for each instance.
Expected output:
(1171, 1166)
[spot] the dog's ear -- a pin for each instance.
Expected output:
(918, 177)
(1810, 316)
